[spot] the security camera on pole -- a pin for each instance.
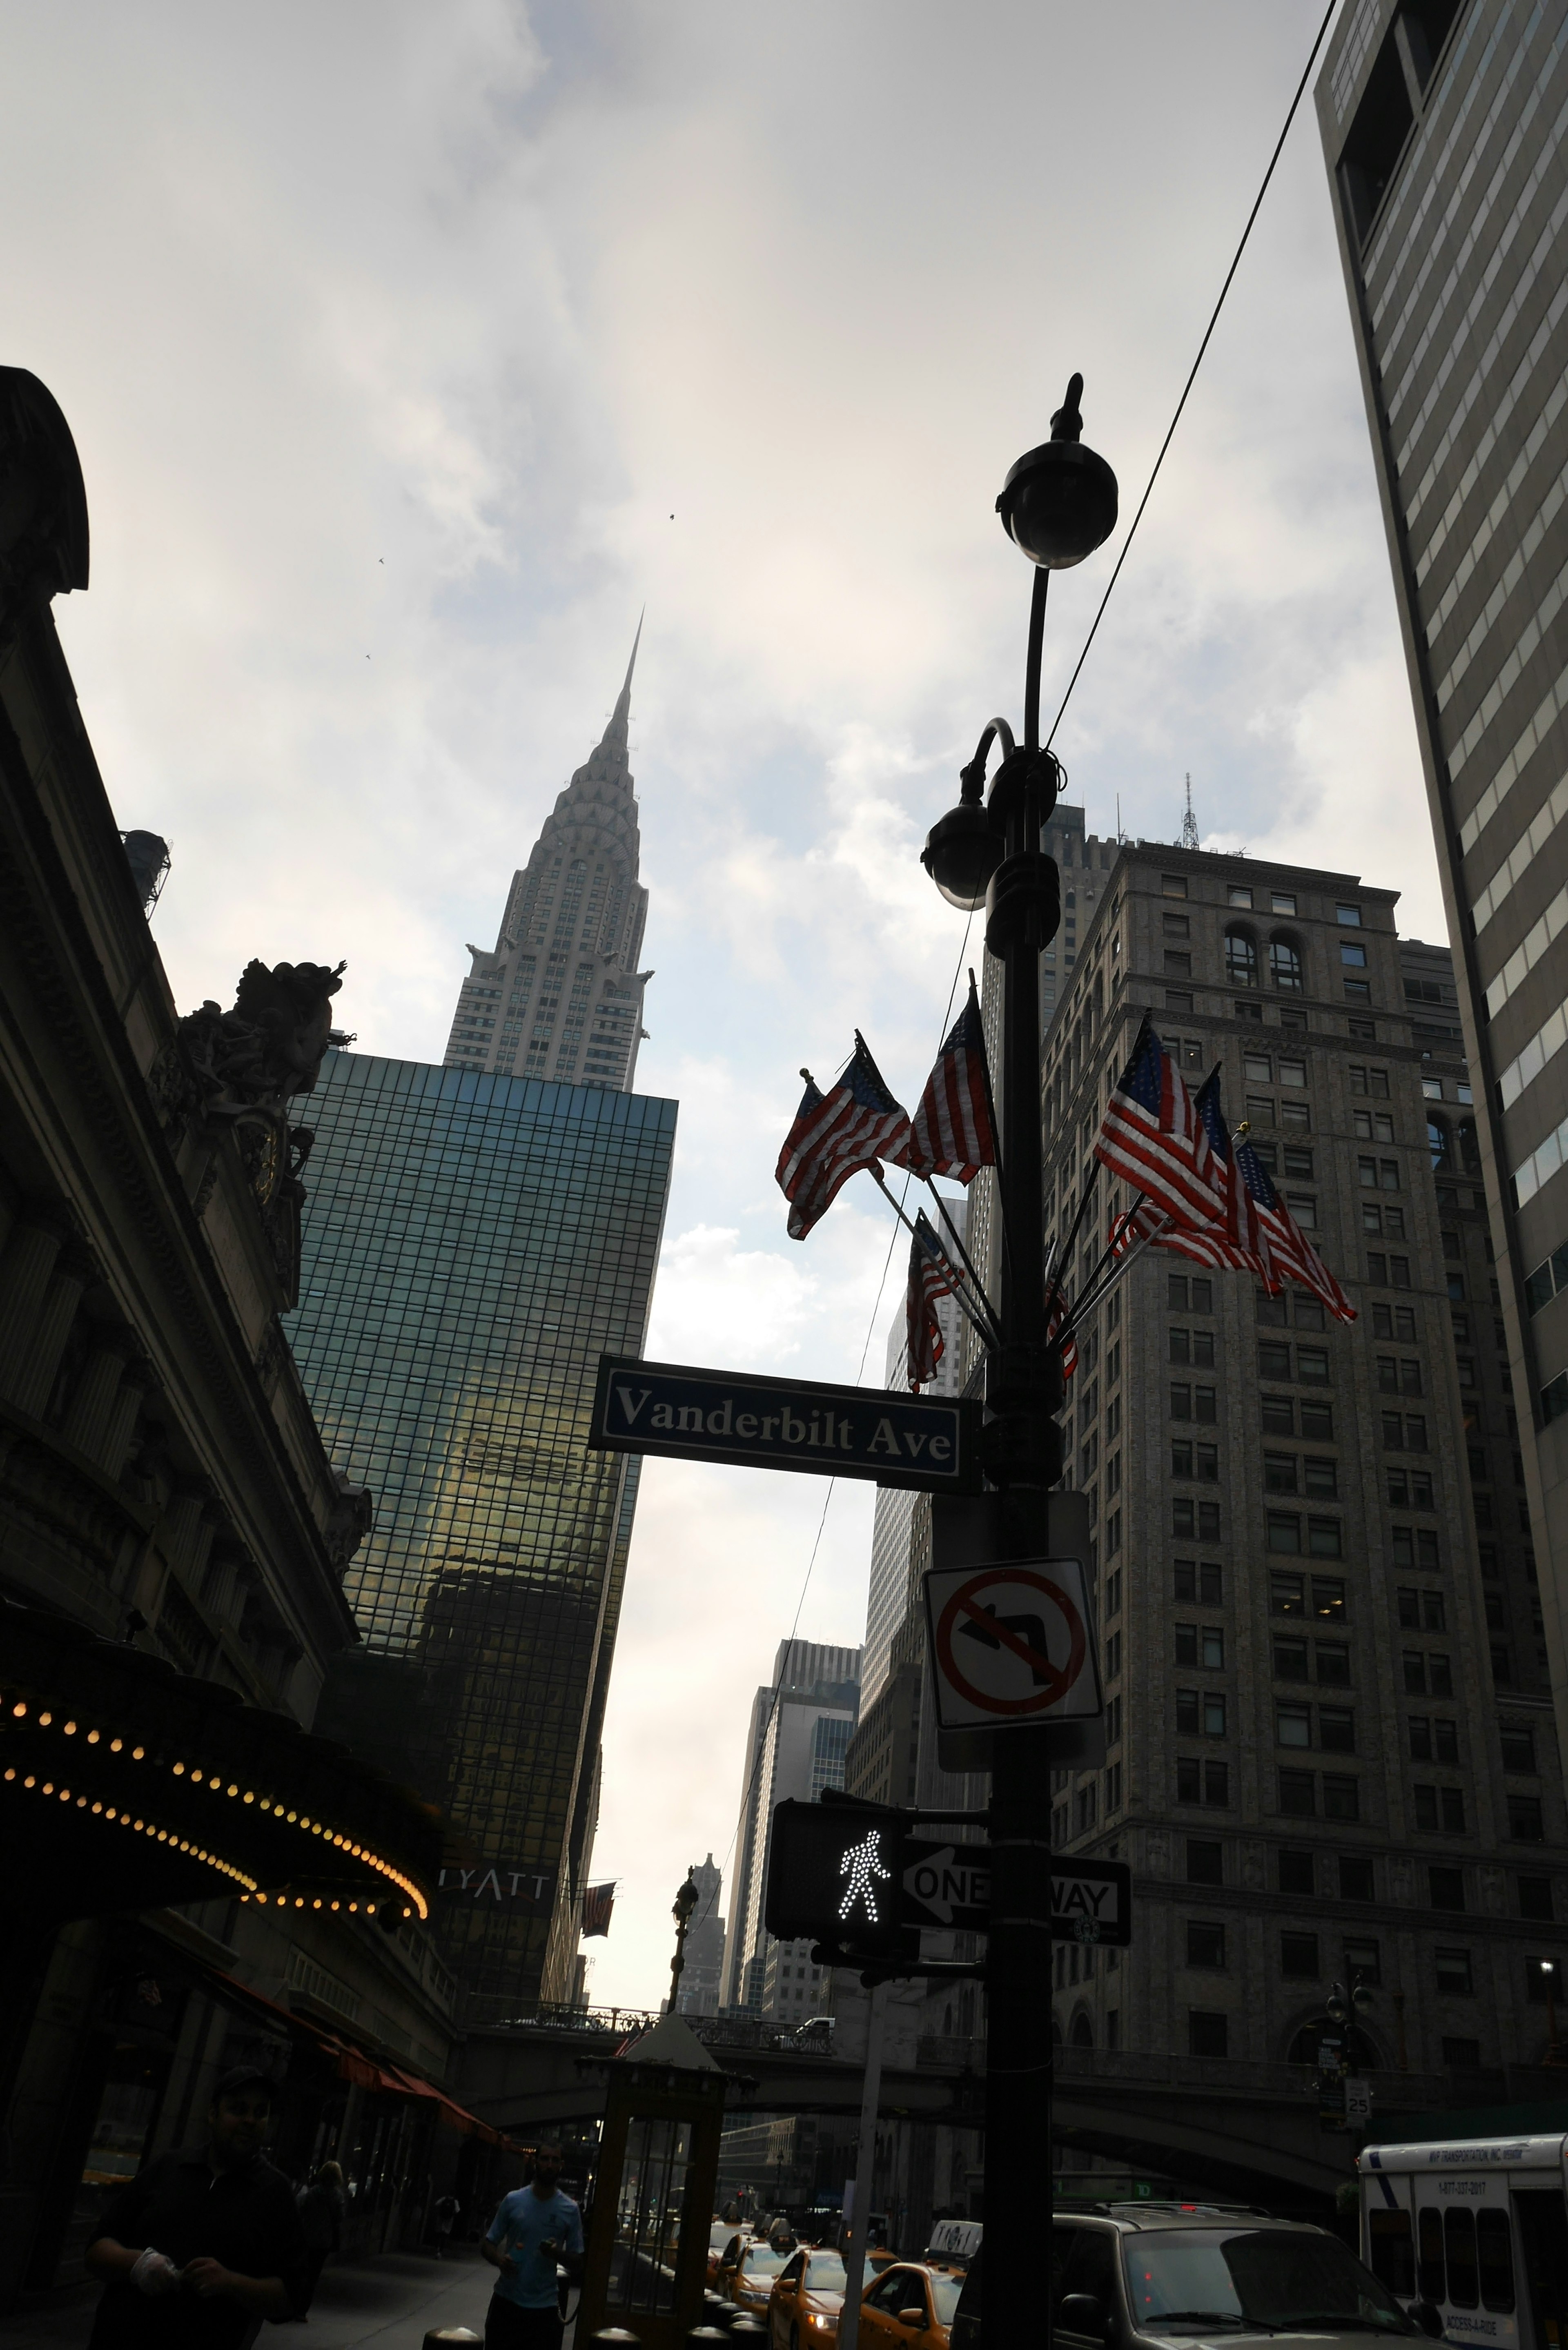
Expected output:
(1058, 504)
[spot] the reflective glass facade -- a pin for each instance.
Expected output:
(473, 1243)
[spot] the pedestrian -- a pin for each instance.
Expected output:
(321, 2205)
(535, 2227)
(205, 2242)
(446, 2213)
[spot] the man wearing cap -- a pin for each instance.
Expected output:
(205, 2242)
(534, 2228)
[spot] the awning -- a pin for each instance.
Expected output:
(126, 1785)
(358, 2065)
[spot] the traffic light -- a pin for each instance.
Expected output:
(833, 1875)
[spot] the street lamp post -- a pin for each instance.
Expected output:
(1059, 502)
(685, 1904)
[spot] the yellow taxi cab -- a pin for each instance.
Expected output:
(909, 2307)
(748, 2280)
(721, 2235)
(808, 2295)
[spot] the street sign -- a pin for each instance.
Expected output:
(1357, 2101)
(926, 1444)
(1011, 1644)
(856, 1877)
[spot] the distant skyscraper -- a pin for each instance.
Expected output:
(1445, 127)
(560, 994)
(700, 1979)
(800, 1726)
(471, 1244)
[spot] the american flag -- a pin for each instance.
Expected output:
(931, 1277)
(1204, 1243)
(950, 1133)
(598, 1901)
(1151, 1135)
(1289, 1249)
(851, 1126)
(1244, 1233)
(1057, 1315)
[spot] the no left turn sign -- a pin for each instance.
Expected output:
(1012, 1643)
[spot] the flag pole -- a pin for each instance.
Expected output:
(995, 1128)
(1093, 1298)
(958, 1243)
(874, 1171)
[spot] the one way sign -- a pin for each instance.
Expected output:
(949, 1885)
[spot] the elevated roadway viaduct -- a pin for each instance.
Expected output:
(1249, 2133)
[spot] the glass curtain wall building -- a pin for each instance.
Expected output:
(1445, 130)
(473, 1244)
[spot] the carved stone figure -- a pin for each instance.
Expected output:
(269, 1047)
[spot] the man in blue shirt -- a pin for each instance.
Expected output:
(533, 2229)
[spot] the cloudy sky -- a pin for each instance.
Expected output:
(411, 351)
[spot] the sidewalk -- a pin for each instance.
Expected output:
(389, 2302)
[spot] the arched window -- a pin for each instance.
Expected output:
(1469, 1150)
(1437, 1140)
(1285, 964)
(1241, 959)
(1082, 2033)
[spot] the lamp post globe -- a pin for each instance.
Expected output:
(1059, 501)
(962, 851)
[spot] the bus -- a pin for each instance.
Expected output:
(1470, 2235)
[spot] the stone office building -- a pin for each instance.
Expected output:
(1331, 1751)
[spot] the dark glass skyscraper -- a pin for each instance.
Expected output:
(473, 1243)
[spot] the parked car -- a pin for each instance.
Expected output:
(724, 2242)
(805, 2301)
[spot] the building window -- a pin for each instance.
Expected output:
(1534, 1897)
(1293, 1725)
(1240, 895)
(1285, 965)
(1205, 1943)
(1296, 1871)
(1206, 2035)
(1518, 1747)
(1196, 1582)
(1355, 1878)
(1454, 1973)
(1341, 1797)
(1290, 1658)
(1524, 1819)
(1446, 1887)
(1298, 1956)
(1201, 1643)
(1298, 1794)
(1440, 1811)
(1364, 1961)
(1205, 1861)
(1464, 2054)
(1336, 1729)
(1173, 885)
(1240, 963)
(1198, 1520)
(1369, 1081)
(1348, 917)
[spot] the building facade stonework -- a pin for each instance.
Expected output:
(1331, 1753)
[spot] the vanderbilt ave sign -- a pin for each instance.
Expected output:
(925, 1443)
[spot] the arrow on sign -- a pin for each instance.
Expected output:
(942, 1883)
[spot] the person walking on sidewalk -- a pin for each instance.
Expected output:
(204, 2242)
(535, 2227)
(446, 2217)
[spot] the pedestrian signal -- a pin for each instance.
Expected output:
(834, 1874)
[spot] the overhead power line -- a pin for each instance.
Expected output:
(1197, 363)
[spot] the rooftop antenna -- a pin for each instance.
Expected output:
(1190, 822)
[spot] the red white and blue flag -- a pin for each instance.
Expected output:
(1246, 1241)
(1289, 1249)
(853, 1124)
(931, 1277)
(1152, 1137)
(1055, 1319)
(950, 1132)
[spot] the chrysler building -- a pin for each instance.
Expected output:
(560, 996)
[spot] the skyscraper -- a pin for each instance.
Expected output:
(800, 1726)
(560, 994)
(1445, 129)
(471, 1244)
(1330, 1750)
(700, 1979)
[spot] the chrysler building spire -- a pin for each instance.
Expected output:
(559, 995)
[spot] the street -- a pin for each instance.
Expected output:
(391, 2302)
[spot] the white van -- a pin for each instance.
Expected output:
(1472, 2236)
